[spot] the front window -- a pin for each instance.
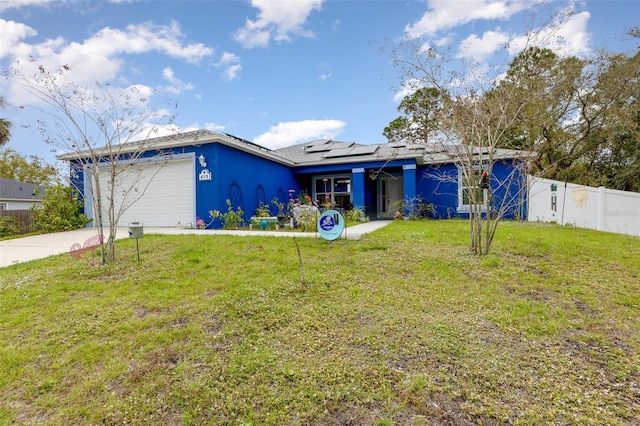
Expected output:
(469, 192)
(333, 190)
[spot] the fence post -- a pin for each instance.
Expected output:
(601, 208)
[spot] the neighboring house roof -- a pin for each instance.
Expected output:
(13, 190)
(319, 152)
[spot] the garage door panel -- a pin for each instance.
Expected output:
(162, 194)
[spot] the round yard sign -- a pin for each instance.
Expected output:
(330, 225)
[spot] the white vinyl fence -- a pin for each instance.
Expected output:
(584, 206)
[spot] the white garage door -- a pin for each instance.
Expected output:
(154, 193)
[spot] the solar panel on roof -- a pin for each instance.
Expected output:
(338, 152)
(364, 149)
(318, 142)
(397, 144)
(318, 148)
(351, 151)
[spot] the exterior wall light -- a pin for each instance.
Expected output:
(203, 162)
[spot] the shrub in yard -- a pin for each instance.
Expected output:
(8, 227)
(60, 210)
(355, 215)
(232, 219)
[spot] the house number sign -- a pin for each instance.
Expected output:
(205, 174)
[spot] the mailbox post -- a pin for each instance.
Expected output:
(136, 231)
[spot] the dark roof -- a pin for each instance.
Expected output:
(329, 151)
(193, 138)
(15, 190)
(319, 152)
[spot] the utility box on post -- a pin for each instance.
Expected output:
(136, 230)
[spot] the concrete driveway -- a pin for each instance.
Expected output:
(40, 246)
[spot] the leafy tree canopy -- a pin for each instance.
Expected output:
(60, 210)
(5, 126)
(28, 169)
(421, 110)
(578, 116)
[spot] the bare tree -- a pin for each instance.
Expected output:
(102, 130)
(470, 138)
(474, 114)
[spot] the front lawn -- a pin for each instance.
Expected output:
(401, 327)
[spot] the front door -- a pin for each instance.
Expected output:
(390, 195)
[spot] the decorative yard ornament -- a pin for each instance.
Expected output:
(484, 181)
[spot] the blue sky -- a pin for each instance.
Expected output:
(276, 72)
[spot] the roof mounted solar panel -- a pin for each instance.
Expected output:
(364, 150)
(351, 151)
(397, 144)
(338, 152)
(318, 148)
(330, 146)
(317, 142)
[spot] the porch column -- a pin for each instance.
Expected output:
(357, 188)
(409, 183)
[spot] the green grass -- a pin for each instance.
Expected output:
(402, 327)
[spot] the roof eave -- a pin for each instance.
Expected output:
(177, 143)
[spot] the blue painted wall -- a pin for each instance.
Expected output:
(242, 178)
(438, 184)
(77, 182)
(246, 180)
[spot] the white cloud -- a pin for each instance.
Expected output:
(278, 20)
(479, 49)
(214, 127)
(98, 55)
(16, 4)
(293, 132)
(147, 37)
(196, 126)
(326, 72)
(446, 14)
(13, 33)
(231, 73)
(152, 130)
(409, 87)
(101, 56)
(228, 58)
(231, 64)
(567, 35)
(177, 86)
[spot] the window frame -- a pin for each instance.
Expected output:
(331, 183)
(462, 189)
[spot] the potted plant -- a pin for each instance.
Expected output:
(280, 206)
(263, 210)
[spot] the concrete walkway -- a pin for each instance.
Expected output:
(40, 246)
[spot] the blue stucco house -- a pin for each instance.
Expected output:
(184, 176)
